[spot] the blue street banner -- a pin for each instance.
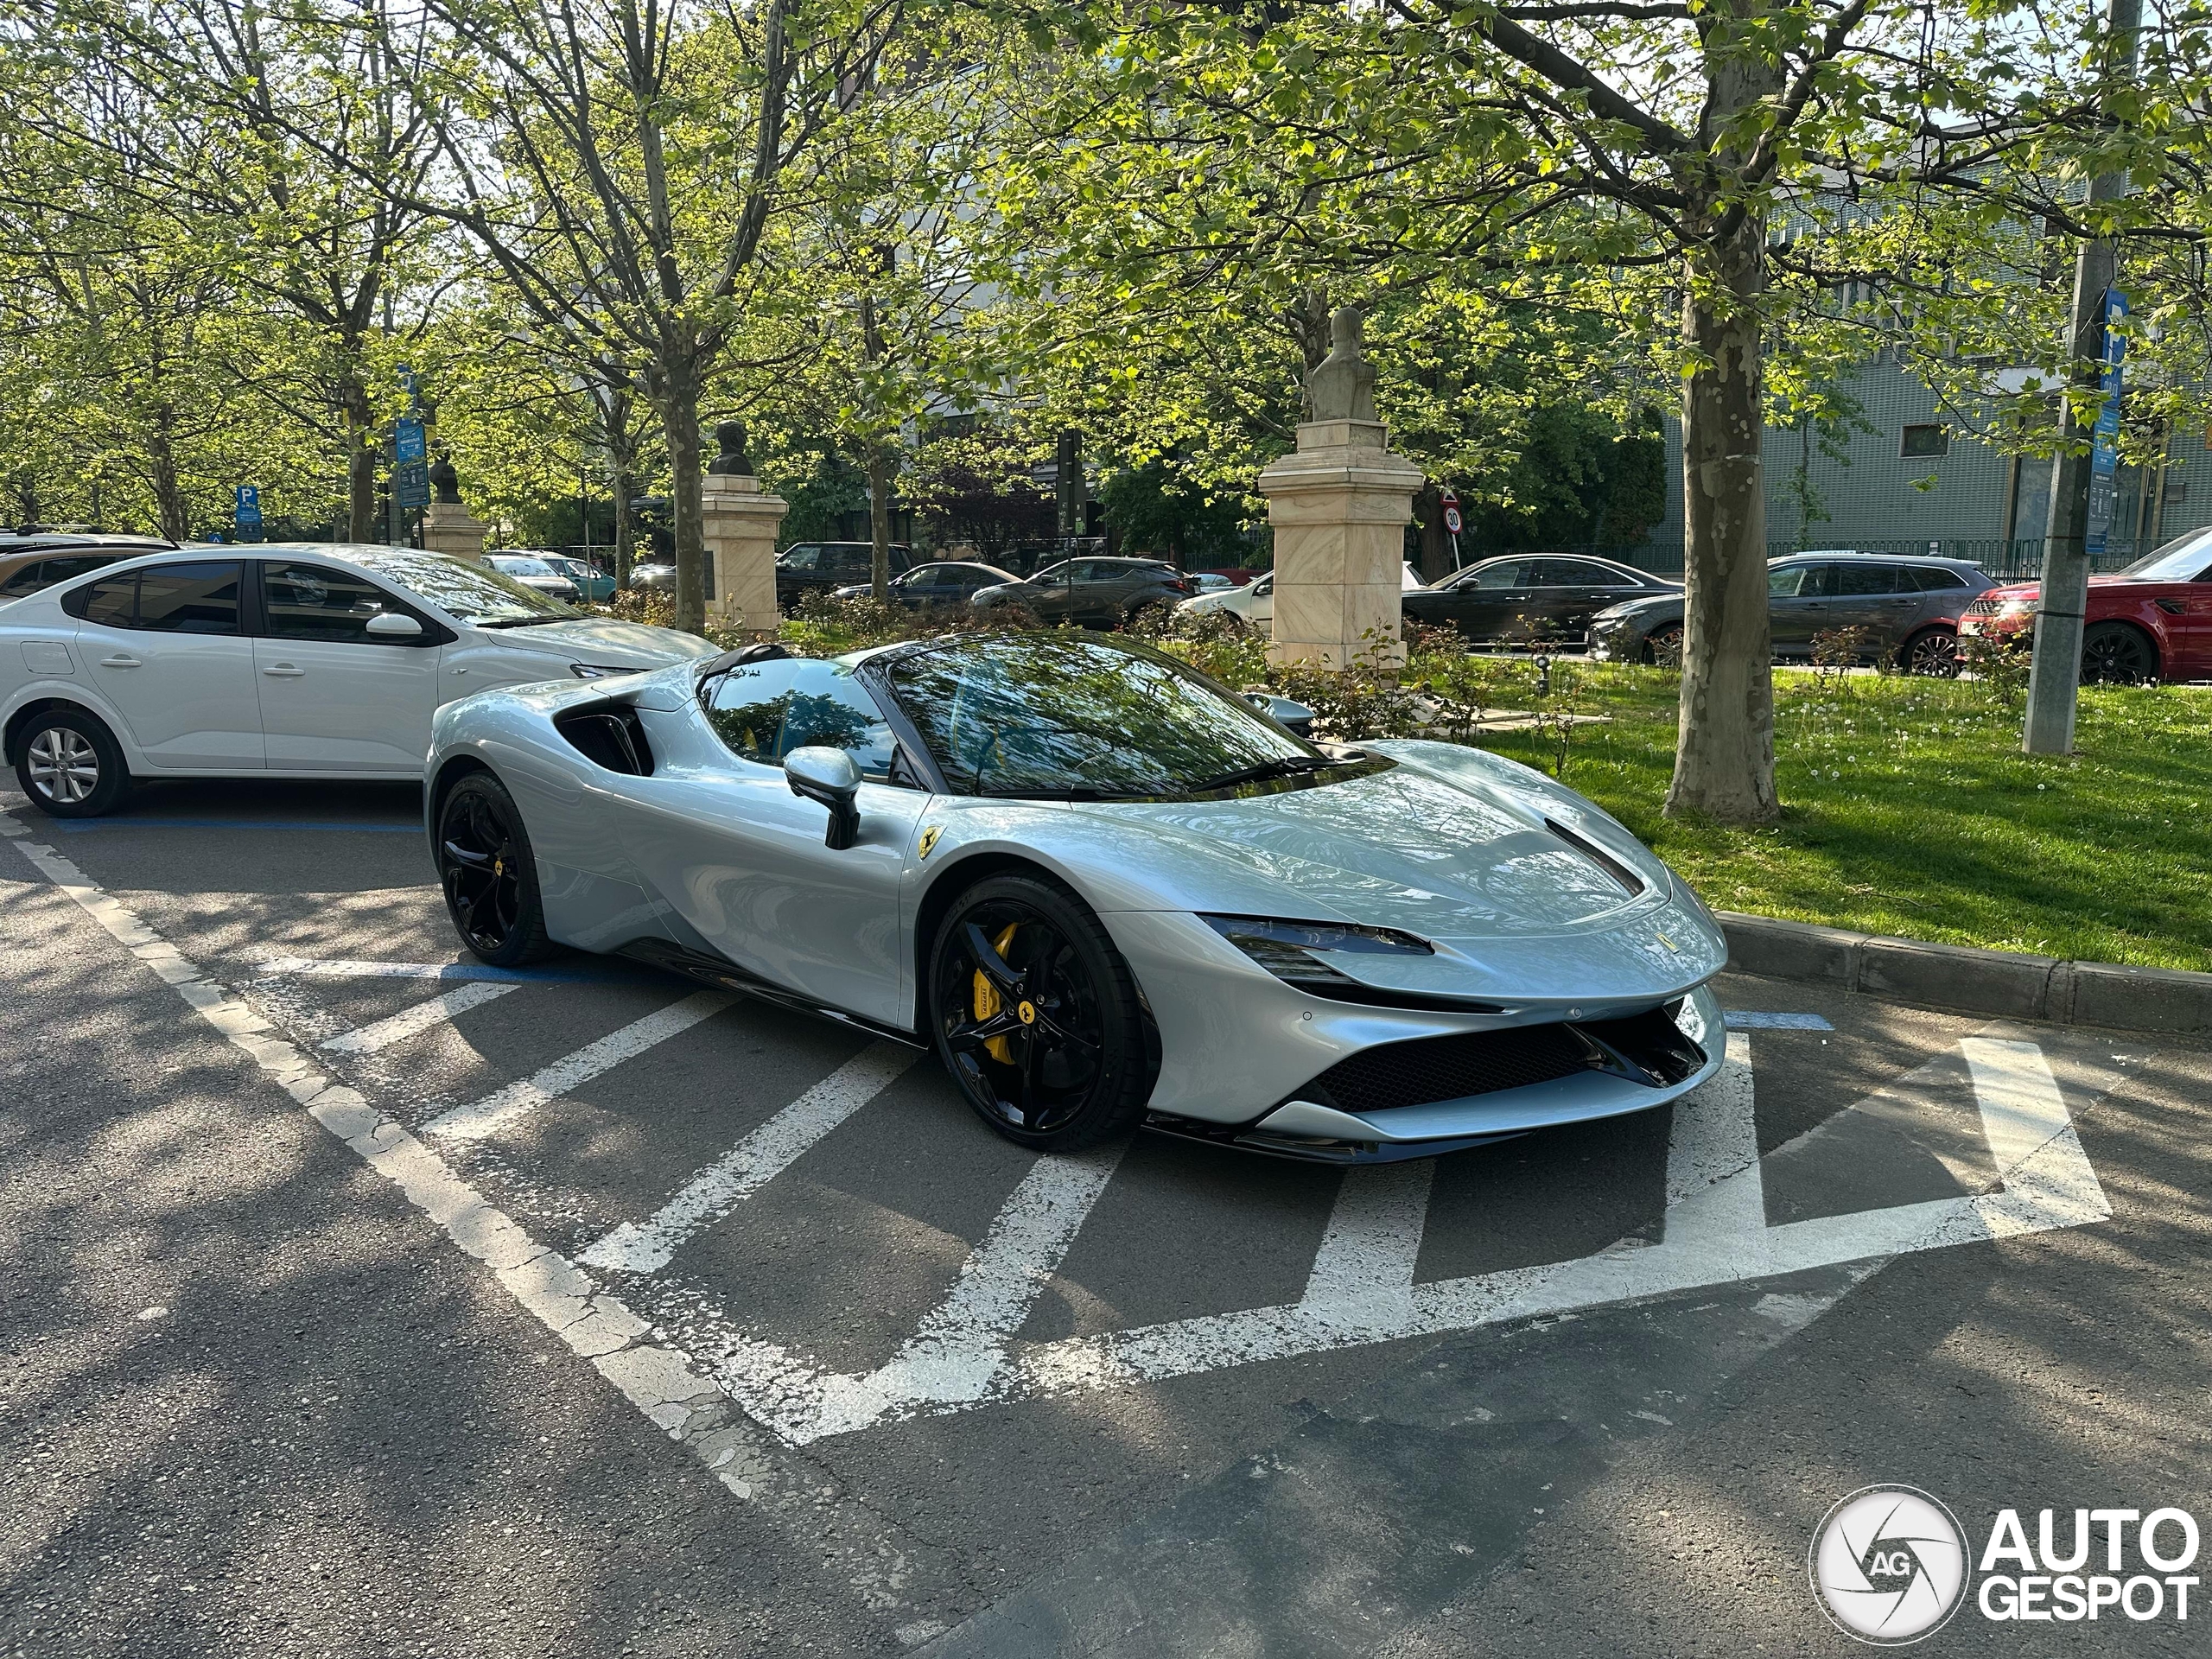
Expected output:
(2104, 447)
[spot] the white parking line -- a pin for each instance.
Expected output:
(518, 1099)
(645, 1247)
(1374, 1234)
(345, 968)
(383, 1034)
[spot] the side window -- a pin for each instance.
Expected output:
(81, 565)
(1933, 578)
(313, 601)
(805, 557)
(110, 602)
(1570, 573)
(1264, 585)
(190, 598)
(1506, 573)
(849, 556)
(1862, 579)
(1788, 581)
(28, 580)
(763, 711)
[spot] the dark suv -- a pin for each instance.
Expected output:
(1909, 607)
(810, 567)
(1097, 593)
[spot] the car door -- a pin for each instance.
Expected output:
(1878, 596)
(1482, 603)
(333, 697)
(1797, 595)
(1563, 595)
(1258, 606)
(2187, 606)
(745, 861)
(166, 645)
(1051, 594)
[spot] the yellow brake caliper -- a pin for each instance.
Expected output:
(987, 999)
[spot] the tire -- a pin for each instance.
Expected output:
(70, 764)
(1932, 651)
(1047, 1043)
(2118, 653)
(1664, 648)
(490, 875)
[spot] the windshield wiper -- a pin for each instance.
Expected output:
(518, 621)
(1288, 766)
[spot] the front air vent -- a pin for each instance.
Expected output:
(1632, 883)
(610, 735)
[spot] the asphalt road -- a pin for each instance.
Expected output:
(356, 1301)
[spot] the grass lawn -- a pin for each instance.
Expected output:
(1908, 808)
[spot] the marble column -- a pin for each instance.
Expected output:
(1339, 505)
(740, 521)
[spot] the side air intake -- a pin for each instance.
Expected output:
(609, 736)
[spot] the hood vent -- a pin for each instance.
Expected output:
(1632, 883)
(610, 735)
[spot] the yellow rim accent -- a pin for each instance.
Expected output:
(1028, 1012)
(987, 1001)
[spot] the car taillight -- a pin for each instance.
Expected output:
(1184, 585)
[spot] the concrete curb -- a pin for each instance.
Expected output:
(1969, 981)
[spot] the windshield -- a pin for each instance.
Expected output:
(2183, 559)
(521, 566)
(473, 593)
(1068, 716)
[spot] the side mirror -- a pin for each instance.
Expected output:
(392, 624)
(829, 776)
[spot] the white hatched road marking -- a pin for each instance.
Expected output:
(1374, 1234)
(963, 1354)
(343, 968)
(503, 1106)
(645, 1247)
(408, 1022)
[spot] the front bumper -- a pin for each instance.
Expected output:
(1242, 1051)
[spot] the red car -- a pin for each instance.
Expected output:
(2151, 621)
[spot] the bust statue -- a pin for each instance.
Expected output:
(445, 483)
(733, 461)
(1342, 386)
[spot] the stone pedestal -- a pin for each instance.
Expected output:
(741, 524)
(448, 527)
(1339, 505)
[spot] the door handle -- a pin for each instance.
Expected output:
(118, 661)
(282, 671)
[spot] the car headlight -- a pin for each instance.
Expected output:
(599, 671)
(2017, 608)
(1291, 951)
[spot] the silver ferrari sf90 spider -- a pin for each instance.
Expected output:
(1106, 889)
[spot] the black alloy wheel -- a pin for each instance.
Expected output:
(1036, 1016)
(1664, 648)
(489, 874)
(1934, 651)
(2113, 653)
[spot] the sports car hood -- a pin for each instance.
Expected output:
(607, 640)
(1436, 846)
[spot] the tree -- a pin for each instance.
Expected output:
(1624, 155)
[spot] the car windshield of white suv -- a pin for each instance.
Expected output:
(2187, 558)
(478, 595)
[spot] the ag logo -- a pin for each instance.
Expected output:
(1889, 1565)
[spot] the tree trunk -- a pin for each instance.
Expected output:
(1435, 547)
(1724, 756)
(878, 519)
(169, 493)
(626, 532)
(361, 461)
(680, 418)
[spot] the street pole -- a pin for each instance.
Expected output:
(2054, 674)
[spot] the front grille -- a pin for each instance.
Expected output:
(1982, 607)
(1647, 1048)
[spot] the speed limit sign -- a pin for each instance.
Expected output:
(1451, 520)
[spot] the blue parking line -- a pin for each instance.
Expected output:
(1742, 1020)
(78, 826)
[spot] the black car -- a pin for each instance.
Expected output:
(824, 566)
(954, 583)
(1909, 608)
(1100, 593)
(1531, 597)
